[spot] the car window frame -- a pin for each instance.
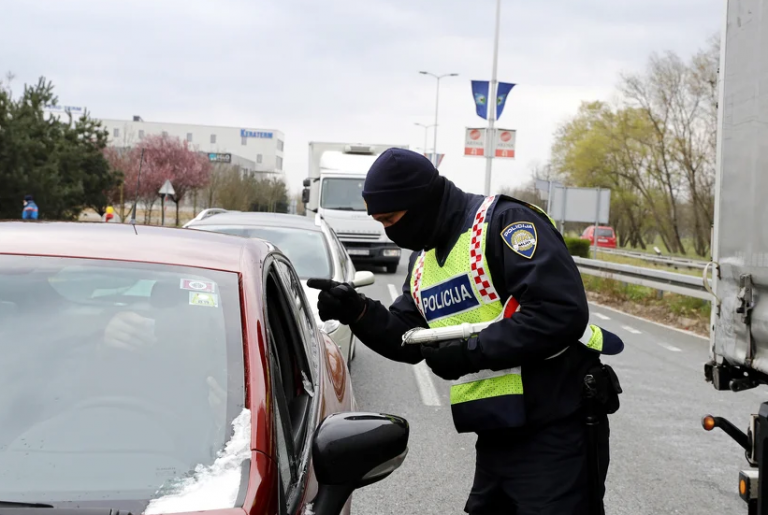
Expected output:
(300, 451)
(344, 261)
(310, 336)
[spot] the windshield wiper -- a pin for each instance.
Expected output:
(11, 504)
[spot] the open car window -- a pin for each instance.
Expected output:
(292, 361)
(109, 368)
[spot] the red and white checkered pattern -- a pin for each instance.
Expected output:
(418, 272)
(478, 274)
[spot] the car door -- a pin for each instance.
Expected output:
(293, 371)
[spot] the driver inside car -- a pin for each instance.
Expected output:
(169, 328)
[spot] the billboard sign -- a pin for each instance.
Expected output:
(580, 204)
(214, 157)
(505, 143)
(474, 142)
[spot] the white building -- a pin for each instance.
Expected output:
(260, 148)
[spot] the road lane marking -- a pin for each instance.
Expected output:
(427, 388)
(647, 321)
(631, 329)
(601, 316)
(668, 346)
(393, 292)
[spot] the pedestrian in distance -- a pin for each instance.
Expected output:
(110, 216)
(30, 210)
(531, 385)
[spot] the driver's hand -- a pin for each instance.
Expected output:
(130, 331)
(217, 399)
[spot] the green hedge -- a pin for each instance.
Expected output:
(577, 246)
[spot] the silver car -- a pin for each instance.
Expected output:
(312, 246)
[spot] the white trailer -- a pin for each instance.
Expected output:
(739, 329)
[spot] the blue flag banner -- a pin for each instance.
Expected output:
(503, 90)
(480, 94)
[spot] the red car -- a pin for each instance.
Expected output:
(156, 370)
(605, 236)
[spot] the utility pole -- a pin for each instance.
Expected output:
(426, 128)
(437, 103)
(492, 105)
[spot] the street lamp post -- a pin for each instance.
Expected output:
(492, 104)
(437, 100)
(425, 127)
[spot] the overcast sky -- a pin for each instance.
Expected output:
(345, 70)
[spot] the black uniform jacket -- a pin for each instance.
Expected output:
(553, 311)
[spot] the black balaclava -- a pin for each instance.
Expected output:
(417, 229)
(404, 180)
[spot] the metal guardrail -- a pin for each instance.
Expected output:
(672, 261)
(689, 285)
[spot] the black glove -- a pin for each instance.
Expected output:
(448, 359)
(337, 301)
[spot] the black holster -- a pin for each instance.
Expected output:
(601, 398)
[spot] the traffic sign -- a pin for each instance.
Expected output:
(167, 188)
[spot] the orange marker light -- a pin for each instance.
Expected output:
(708, 422)
(742, 487)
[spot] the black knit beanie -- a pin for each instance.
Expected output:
(398, 180)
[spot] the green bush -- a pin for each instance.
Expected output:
(577, 246)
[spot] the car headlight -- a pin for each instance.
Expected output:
(330, 326)
(391, 252)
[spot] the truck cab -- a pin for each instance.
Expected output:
(334, 190)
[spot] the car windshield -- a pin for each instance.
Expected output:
(117, 378)
(608, 233)
(344, 194)
(307, 249)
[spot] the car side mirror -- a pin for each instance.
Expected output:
(305, 196)
(306, 183)
(353, 450)
(363, 278)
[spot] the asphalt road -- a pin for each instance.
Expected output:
(662, 461)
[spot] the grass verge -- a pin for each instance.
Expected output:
(672, 309)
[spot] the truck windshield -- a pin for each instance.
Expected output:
(108, 376)
(343, 194)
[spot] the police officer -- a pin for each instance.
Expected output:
(519, 383)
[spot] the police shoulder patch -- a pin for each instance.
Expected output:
(521, 238)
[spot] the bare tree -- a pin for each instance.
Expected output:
(658, 96)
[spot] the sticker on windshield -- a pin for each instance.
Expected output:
(195, 285)
(210, 300)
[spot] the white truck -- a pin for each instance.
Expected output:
(334, 190)
(739, 329)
